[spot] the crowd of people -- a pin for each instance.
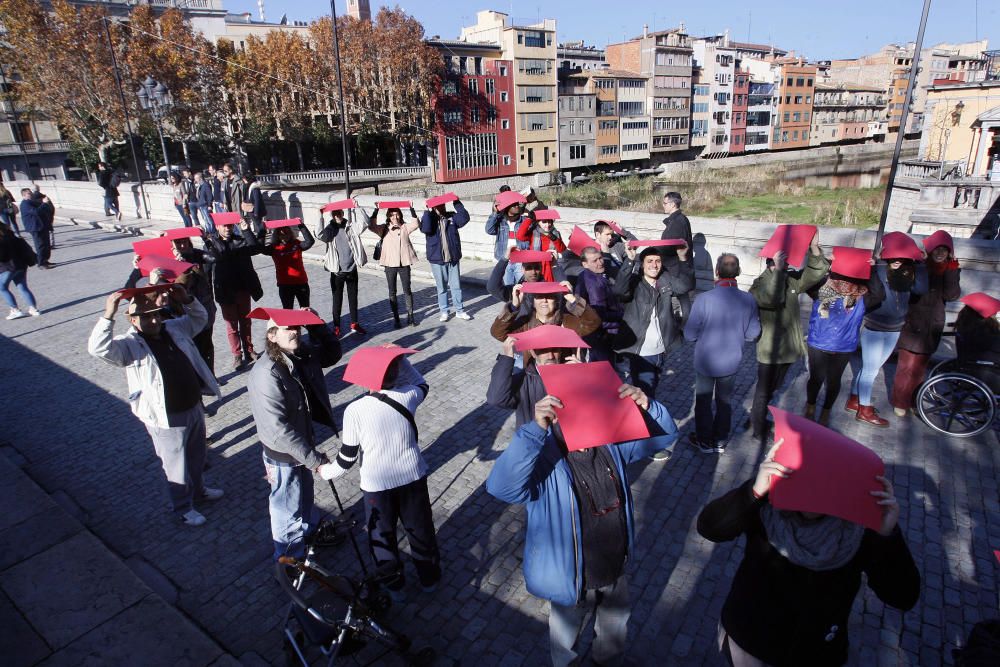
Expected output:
(611, 299)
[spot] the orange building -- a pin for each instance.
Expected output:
(897, 98)
(793, 112)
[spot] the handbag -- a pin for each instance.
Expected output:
(377, 252)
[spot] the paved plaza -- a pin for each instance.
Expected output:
(67, 425)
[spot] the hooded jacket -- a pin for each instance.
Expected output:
(355, 227)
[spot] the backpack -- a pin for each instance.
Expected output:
(23, 253)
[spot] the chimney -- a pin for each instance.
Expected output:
(725, 38)
(645, 30)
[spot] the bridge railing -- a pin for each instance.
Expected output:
(337, 175)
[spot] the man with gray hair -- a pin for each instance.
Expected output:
(721, 321)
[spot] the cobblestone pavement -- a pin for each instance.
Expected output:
(65, 414)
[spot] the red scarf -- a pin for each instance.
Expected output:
(939, 268)
(726, 282)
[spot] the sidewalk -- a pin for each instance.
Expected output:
(66, 599)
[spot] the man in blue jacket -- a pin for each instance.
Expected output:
(580, 532)
(444, 252)
(35, 219)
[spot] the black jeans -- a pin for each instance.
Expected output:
(828, 368)
(43, 246)
(769, 378)
(410, 505)
(337, 283)
(288, 293)
(206, 348)
(402, 273)
(711, 427)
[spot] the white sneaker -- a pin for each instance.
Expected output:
(15, 314)
(462, 315)
(193, 518)
(34, 312)
(208, 493)
(443, 318)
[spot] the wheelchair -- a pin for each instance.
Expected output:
(960, 397)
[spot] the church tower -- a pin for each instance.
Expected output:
(359, 9)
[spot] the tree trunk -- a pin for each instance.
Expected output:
(187, 158)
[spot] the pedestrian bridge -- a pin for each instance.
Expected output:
(336, 176)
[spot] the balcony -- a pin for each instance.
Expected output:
(35, 147)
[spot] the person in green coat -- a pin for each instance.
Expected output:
(781, 342)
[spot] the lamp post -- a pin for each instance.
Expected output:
(340, 88)
(155, 98)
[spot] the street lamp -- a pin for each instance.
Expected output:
(155, 98)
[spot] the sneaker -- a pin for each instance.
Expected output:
(16, 313)
(720, 447)
(252, 356)
(442, 318)
(208, 493)
(193, 518)
(661, 456)
(237, 362)
(462, 315)
(34, 312)
(358, 329)
(701, 446)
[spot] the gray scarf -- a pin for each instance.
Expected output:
(825, 544)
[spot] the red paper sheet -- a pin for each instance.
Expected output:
(290, 222)
(833, 474)
(614, 227)
(793, 239)
(982, 303)
(368, 365)
(132, 292)
(159, 246)
(656, 242)
(341, 205)
(543, 288)
(851, 262)
(529, 256)
(401, 205)
(506, 199)
(592, 414)
(286, 317)
(547, 336)
(183, 233)
(220, 219)
(547, 214)
(172, 268)
(579, 239)
(442, 199)
(897, 245)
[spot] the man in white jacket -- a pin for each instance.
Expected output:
(166, 380)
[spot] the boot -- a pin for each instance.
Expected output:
(810, 412)
(852, 403)
(867, 413)
(411, 319)
(395, 312)
(824, 417)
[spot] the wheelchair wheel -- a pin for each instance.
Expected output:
(946, 366)
(956, 404)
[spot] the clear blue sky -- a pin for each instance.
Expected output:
(818, 29)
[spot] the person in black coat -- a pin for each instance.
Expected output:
(36, 218)
(106, 179)
(236, 283)
(677, 226)
(791, 597)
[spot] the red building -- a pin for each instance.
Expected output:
(474, 114)
(741, 104)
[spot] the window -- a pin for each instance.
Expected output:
(605, 84)
(670, 123)
(479, 66)
(798, 99)
(609, 150)
(520, 38)
(635, 147)
(534, 67)
(534, 39)
(635, 125)
(491, 115)
(806, 118)
(630, 108)
(572, 127)
(701, 89)
(699, 107)
(503, 70)
(605, 108)
(503, 95)
(672, 103)
(545, 152)
(506, 160)
(631, 83)
(784, 136)
(797, 117)
(795, 135)
(788, 99)
(490, 87)
(533, 122)
(474, 86)
(534, 93)
(577, 152)
(474, 114)
(572, 103)
(449, 88)
(800, 81)
(452, 116)
(789, 81)
(471, 151)
(505, 124)
(809, 99)
(805, 134)
(786, 117)
(607, 125)
(531, 157)
(809, 82)
(699, 128)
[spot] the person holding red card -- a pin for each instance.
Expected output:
(612, 246)
(781, 342)
(344, 254)
(508, 214)
(396, 257)
(925, 318)
(285, 248)
(236, 284)
(580, 524)
(444, 252)
(902, 277)
(541, 235)
(649, 328)
(839, 307)
(977, 337)
(166, 380)
(597, 288)
(529, 263)
(791, 598)
(552, 303)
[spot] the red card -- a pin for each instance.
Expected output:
(656, 242)
(833, 474)
(341, 205)
(222, 219)
(171, 268)
(982, 303)
(290, 222)
(543, 288)
(592, 414)
(546, 336)
(996, 552)
(579, 239)
(529, 256)
(547, 214)
(851, 262)
(183, 233)
(442, 199)
(401, 205)
(286, 317)
(939, 238)
(368, 365)
(507, 199)
(897, 245)
(132, 292)
(794, 240)
(159, 246)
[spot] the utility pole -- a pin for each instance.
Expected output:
(128, 120)
(914, 66)
(340, 89)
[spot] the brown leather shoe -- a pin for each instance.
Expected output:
(810, 412)
(824, 417)
(868, 414)
(852, 403)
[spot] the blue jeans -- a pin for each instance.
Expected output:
(9, 220)
(641, 372)
(611, 615)
(293, 513)
(20, 278)
(184, 214)
(110, 205)
(513, 273)
(711, 428)
(446, 277)
(876, 346)
(200, 217)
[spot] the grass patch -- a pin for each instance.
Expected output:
(845, 207)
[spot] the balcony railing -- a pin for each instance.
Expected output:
(34, 147)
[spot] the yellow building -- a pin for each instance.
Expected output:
(532, 49)
(963, 127)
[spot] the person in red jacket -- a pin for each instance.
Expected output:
(541, 235)
(286, 250)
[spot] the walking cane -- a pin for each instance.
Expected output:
(354, 541)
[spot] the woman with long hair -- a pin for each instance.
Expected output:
(8, 209)
(397, 256)
(14, 269)
(924, 324)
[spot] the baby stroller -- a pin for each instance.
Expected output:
(336, 615)
(960, 397)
